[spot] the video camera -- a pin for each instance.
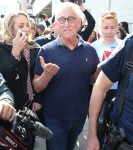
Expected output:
(79, 2)
(114, 137)
(75, 1)
(25, 125)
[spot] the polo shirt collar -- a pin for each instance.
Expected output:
(59, 42)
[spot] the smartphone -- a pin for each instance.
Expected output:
(21, 34)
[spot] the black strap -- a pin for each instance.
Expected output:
(129, 69)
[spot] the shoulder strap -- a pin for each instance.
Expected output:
(129, 69)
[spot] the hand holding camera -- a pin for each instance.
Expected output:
(25, 126)
(7, 111)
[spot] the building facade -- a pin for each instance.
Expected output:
(97, 8)
(122, 8)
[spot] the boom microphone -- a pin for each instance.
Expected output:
(42, 131)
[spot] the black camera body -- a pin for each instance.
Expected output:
(75, 1)
(25, 127)
(114, 136)
(107, 132)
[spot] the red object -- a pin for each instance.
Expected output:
(106, 54)
(98, 36)
(8, 139)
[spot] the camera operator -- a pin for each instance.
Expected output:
(7, 111)
(117, 72)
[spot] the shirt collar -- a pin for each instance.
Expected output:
(59, 42)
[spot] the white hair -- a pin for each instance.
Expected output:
(65, 5)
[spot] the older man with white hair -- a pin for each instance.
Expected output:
(63, 71)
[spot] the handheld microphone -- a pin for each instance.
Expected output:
(42, 131)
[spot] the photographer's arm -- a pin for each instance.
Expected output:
(7, 110)
(90, 23)
(101, 86)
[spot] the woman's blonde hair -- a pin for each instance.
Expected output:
(8, 35)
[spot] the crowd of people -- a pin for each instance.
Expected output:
(49, 67)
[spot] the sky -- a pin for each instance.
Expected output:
(7, 6)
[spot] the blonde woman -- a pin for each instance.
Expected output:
(17, 59)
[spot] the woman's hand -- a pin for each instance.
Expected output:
(19, 42)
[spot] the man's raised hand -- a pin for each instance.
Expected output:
(49, 68)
